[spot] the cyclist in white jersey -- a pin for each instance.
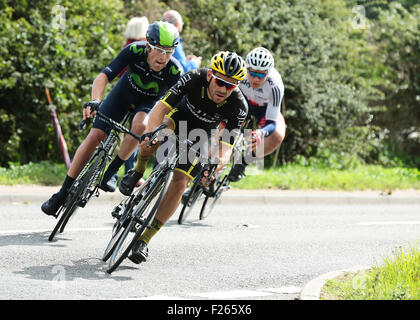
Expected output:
(263, 88)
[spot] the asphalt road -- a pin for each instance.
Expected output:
(242, 251)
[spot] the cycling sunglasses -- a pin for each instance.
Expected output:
(223, 83)
(162, 51)
(259, 75)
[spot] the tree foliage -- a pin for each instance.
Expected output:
(348, 90)
(399, 52)
(60, 47)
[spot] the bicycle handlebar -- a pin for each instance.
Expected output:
(116, 126)
(210, 167)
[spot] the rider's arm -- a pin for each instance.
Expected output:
(227, 136)
(98, 86)
(156, 115)
(168, 102)
(269, 128)
(273, 108)
(225, 151)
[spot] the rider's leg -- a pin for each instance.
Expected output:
(274, 140)
(167, 207)
(81, 157)
(85, 151)
(182, 176)
(172, 198)
(268, 146)
(129, 144)
(169, 204)
(127, 148)
(112, 107)
(130, 179)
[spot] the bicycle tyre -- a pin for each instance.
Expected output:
(118, 228)
(87, 181)
(195, 194)
(208, 205)
(63, 217)
(71, 203)
(156, 191)
(125, 219)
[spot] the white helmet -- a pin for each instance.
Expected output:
(260, 59)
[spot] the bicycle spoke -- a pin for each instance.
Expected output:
(143, 211)
(210, 202)
(195, 196)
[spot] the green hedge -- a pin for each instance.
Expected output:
(43, 47)
(348, 91)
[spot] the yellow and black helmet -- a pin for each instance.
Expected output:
(229, 64)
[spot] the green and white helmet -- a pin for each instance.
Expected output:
(162, 33)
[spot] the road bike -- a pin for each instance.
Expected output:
(136, 212)
(206, 198)
(197, 193)
(87, 182)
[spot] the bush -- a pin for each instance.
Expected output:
(63, 48)
(351, 92)
(323, 61)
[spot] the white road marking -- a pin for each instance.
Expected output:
(371, 223)
(49, 230)
(283, 290)
(232, 294)
(155, 298)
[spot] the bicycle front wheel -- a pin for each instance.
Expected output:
(210, 202)
(67, 212)
(195, 194)
(77, 190)
(126, 206)
(141, 216)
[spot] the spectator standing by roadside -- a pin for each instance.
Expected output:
(135, 31)
(189, 62)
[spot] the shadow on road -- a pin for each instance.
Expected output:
(188, 224)
(30, 239)
(88, 269)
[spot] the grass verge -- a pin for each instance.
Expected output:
(298, 177)
(397, 279)
(42, 173)
(289, 177)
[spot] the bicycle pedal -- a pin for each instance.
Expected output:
(116, 215)
(116, 212)
(82, 203)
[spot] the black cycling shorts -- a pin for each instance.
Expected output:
(117, 104)
(189, 164)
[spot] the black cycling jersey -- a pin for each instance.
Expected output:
(189, 96)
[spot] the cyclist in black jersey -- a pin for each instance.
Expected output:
(151, 71)
(202, 98)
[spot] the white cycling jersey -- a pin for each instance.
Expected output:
(268, 96)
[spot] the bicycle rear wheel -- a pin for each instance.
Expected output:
(210, 202)
(139, 218)
(76, 190)
(195, 194)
